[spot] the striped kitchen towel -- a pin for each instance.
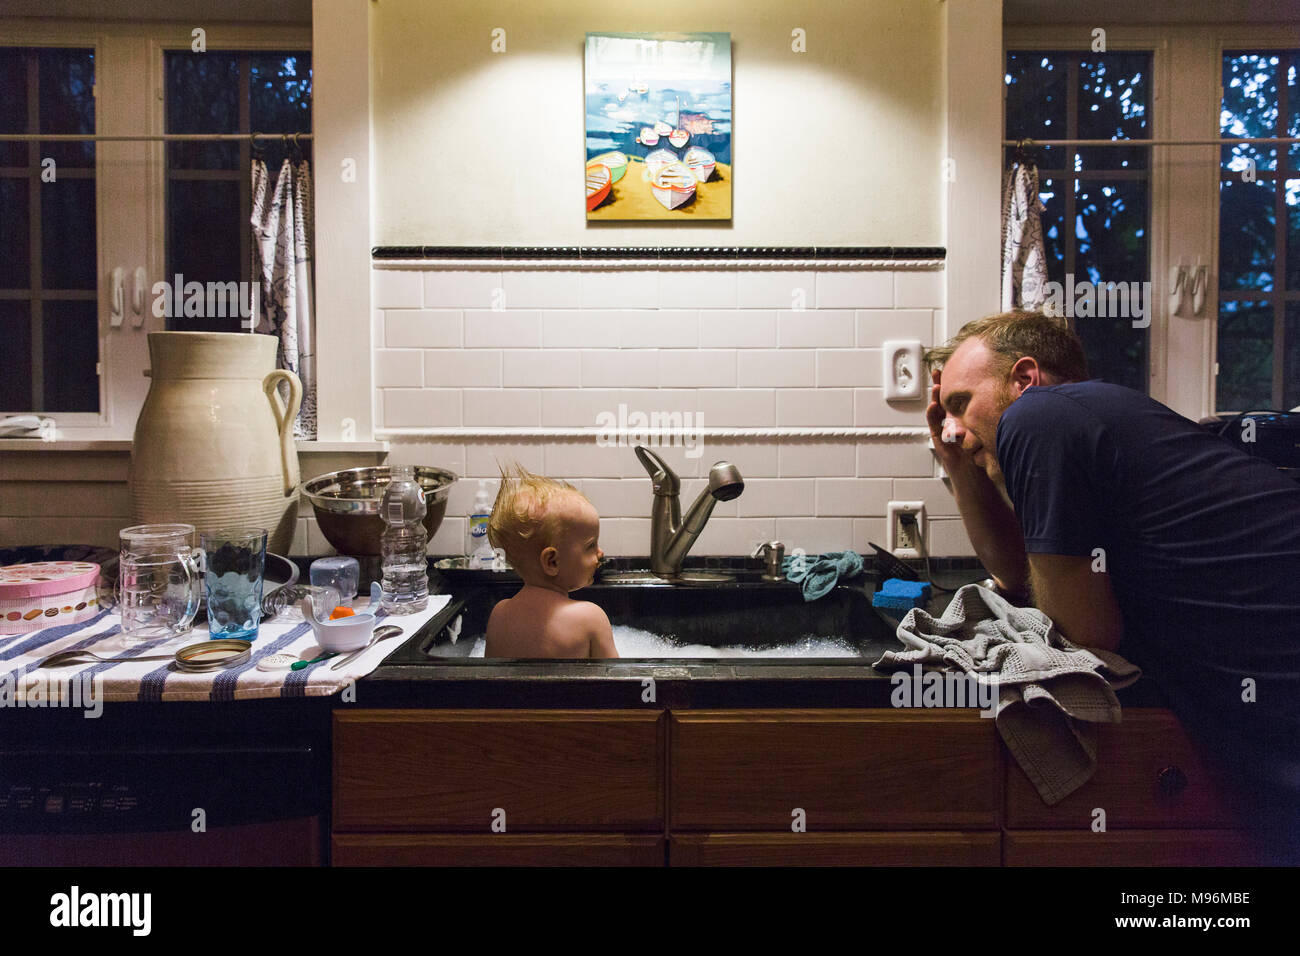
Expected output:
(24, 684)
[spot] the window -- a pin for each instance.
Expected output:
(208, 189)
(48, 254)
(1258, 350)
(1096, 226)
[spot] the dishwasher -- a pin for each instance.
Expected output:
(230, 783)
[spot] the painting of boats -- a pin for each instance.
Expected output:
(658, 126)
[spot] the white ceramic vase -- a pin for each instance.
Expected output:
(214, 444)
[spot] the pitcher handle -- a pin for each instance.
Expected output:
(284, 418)
(194, 565)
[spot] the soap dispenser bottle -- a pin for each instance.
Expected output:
(477, 548)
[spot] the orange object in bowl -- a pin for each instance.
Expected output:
(341, 611)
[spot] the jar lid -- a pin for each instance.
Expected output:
(213, 655)
(42, 578)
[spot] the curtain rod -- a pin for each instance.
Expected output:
(164, 137)
(1150, 142)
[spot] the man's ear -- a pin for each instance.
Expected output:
(550, 558)
(1026, 373)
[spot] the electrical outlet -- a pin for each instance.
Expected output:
(899, 538)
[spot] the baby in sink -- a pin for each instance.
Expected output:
(549, 532)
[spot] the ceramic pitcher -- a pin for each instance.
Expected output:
(214, 441)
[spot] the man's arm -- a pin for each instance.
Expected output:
(1079, 600)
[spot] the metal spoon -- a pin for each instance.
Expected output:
(381, 633)
(73, 657)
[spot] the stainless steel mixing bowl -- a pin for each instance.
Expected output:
(347, 504)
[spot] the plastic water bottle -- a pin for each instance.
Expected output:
(406, 580)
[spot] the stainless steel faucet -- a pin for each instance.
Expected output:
(671, 537)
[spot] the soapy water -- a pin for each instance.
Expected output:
(635, 643)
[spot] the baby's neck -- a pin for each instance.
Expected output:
(547, 586)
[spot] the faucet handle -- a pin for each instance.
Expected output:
(666, 482)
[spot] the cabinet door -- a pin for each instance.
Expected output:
(1134, 848)
(921, 848)
(1148, 775)
(505, 849)
(526, 770)
(845, 769)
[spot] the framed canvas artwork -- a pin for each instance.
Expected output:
(658, 121)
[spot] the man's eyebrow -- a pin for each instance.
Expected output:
(962, 395)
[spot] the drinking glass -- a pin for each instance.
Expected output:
(339, 572)
(160, 581)
(235, 560)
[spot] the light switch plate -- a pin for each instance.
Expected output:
(902, 370)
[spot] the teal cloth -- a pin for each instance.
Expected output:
(819, 575)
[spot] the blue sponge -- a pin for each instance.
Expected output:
(899, 595)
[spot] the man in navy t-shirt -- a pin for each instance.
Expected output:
(1133, 529)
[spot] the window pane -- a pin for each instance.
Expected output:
(68, 259)
(16, 356)
(279, 89)
(1293, 123)
(202, 96)
(1291, 362)
(1245, 356)
(1249, 108)
(69, 349)
(13, 104)
(15, 259)
(203, 223)
(67, 103)
(1113, 93)
(1293, 235)
(1052, 196)
(1246, 235)
(1036, 101)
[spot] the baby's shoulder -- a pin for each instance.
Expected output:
(586, 611)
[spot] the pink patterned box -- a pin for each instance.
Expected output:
(45, 594)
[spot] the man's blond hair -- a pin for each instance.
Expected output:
(1012, 335)
(523, 521)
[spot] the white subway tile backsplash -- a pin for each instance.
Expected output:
(813, 407)
(895, 457)
(539, 289)
(870, 408)
(584, 458)
(618, 497)
(485, 329)
(852, 497)
(938, 499)
(398, 368)
(697, 290)
(814, 459)
(421, 407)
(737, 330)
(754, 459)
(863, 289)
(815, 328)
(737, 407)
(765, 497)
(470, 289)
(619, 289)
(575, 407)
(664, 329)
(484, 460)
(777, 290)
(875, 326)
(815, 535)
(730, 536)
(919, 289)
(542, 368)
(462, 368)
(947, 536)
(697, 368)
(614, 368)
(506, 406)
(848, 368)
(396, 290)
(776, 368)
(449, 538)
(866, 532)
(575, 329)
(422, 329)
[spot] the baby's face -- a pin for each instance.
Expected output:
(578, 543)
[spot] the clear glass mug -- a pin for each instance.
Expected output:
(160, 581)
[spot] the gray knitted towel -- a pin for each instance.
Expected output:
(1050, 692)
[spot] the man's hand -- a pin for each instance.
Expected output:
(947, 441)
(1079, 600)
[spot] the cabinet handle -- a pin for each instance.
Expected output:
(1171, 781)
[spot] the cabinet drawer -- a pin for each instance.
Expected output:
(1148, 775)
(847, 769)
(452, 770)
(505, 849)
(1132, 848)
(920, 848)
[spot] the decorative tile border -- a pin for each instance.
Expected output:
(663, 257)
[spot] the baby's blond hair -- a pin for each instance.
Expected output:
(523, 521)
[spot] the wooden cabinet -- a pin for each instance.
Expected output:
(503, 849)
(919, 848)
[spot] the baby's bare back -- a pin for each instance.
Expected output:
(539, 623)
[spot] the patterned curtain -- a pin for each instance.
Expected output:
(1024, 261)
(283, 243)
